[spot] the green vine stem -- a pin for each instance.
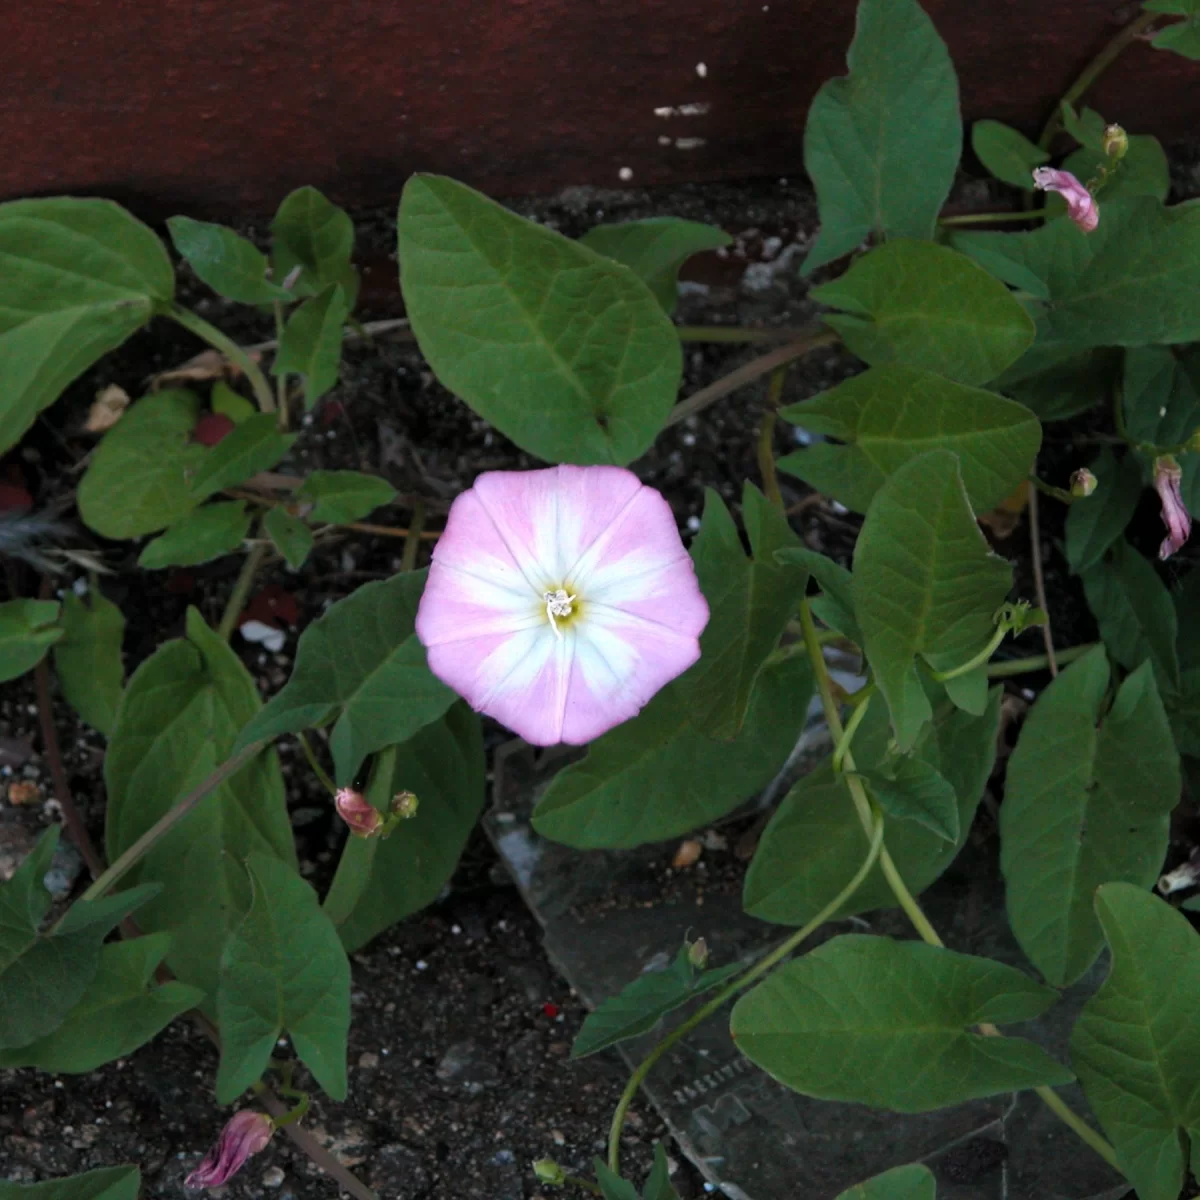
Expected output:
(119, 869)
(1088, 76)
(584, 1184)
(983, 656)
(412, 542)
(228, 347)
(744, 980)
(868, 816)
(318, 770)
(862, 701)
(241, 590)
(1037, 662)
(766, 437)
(991, 218)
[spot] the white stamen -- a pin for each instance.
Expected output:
(558, 604)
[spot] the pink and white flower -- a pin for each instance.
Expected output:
(1081, 204)
(560, 601)
(245, 1133)
(1177, 519)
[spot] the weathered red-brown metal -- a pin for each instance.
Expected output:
(222, 106)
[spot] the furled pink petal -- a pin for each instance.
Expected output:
(358, 812)
(245, 1133)
(1081, 204)
(607, 541)
(1175, 515)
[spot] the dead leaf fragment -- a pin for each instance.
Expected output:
(207, 365)
(106, 409)
(23, 791)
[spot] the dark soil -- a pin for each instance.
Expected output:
(460, 1072)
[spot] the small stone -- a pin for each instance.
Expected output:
(368, 1061)
(688, 854)
(273, 1177)
(23, 791)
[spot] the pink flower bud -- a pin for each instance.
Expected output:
(246, 1133)
(1083, 483)
(1174, 513)
(1081, 204)
(364, 819)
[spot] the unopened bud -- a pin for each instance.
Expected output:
(548, 1171)
(404, 805)
(1116, 142)
(358, 812)
(1187, 875)
(1083, 483)
(698, 953)
(245, 1133)
(289, 280)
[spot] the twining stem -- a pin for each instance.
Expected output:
(111, 877)
(1088, 76)
(408, 559)
(760, 968)
(810, 340)
(991, 218)
(228, 347)
(979, 659)
(318, 770)
(241, 590)
(1039, 581)
(1055, 493)
(281, 376)
(868, 816)
(766, 437)
(862, 703)
(1037, 662)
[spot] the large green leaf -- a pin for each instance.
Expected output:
(1008, 154)
(252, 445)
(1135, 613)
(139, 480)
(640, 1005)
(823, 1026)
(121, 1010)
(925, 584)
(87, 660)
(1160, 394)
(657, 776)
(911, 1182)
(882, 144)
(311, 346)
(379, 882)
(1181, 36)
(1136, 1045)
(927, 306)
(750, 601)
(912, 789)
(177, 722)
(1130, 283)
(283, 968)
(80, 276)
(314, 234)
(887, 416)
(198, 537)
(612, 1186)
(343, 496)
(1087, 801)
(1058, 382)
(27, 630)
(815, 843)
(232, 266)
(108, 1183)
(1097, 522)
(654, 249)
(44, 974)
(362, 661)
(566, 352)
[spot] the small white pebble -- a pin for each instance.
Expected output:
(693, 524)
(421, 964)
(702, 70)
(80, 586)
(625, 174)
(456, 929)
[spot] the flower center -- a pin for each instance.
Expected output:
(558, 607)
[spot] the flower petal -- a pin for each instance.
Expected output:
(548, 519)
(639, 565)
(621, 661)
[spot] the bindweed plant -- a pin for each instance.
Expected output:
(562, 603)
